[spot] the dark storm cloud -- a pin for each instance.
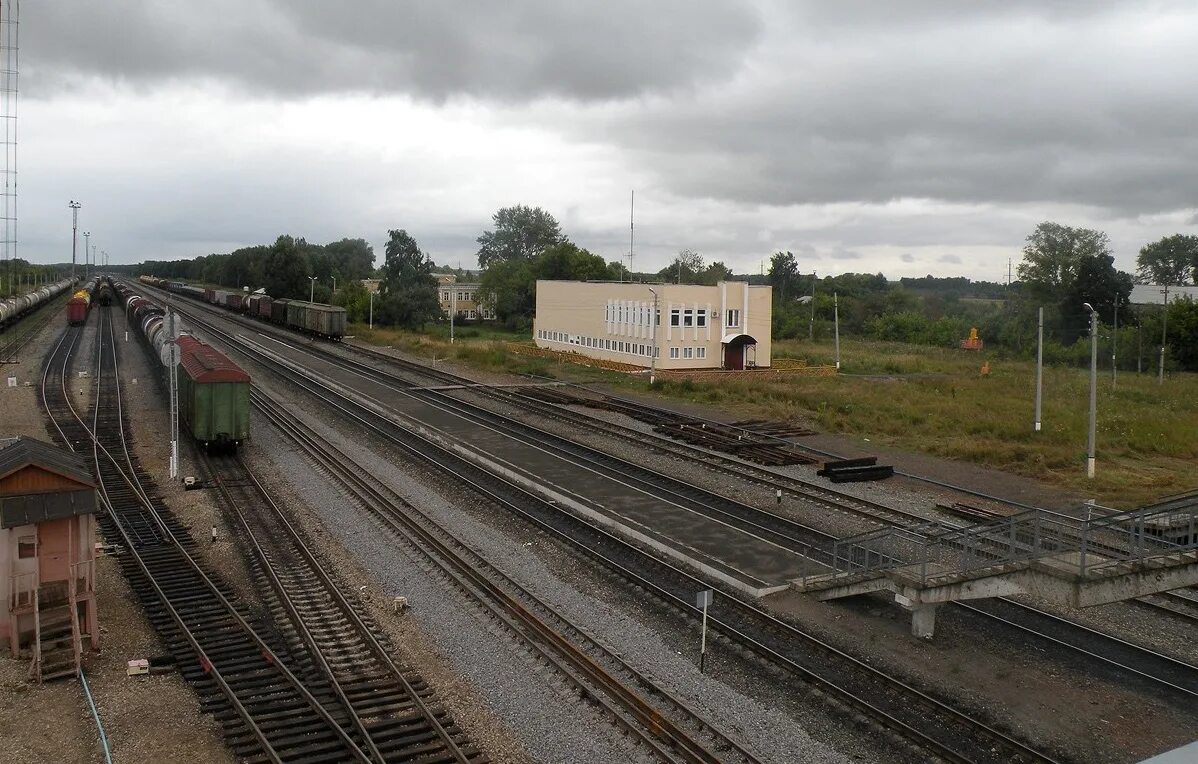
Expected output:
(511, 50)
(1003, 104)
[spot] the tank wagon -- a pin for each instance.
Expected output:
(104, 292)
(81, 302)
(300, 315)
(214, 392)
(13, 308)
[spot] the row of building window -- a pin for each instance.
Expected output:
(688, 317)
(636, 315)
(619, 346)
(462, 296)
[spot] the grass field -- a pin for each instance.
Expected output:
(934, 401)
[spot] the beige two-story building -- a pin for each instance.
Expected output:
(461, 298)
(695, 327)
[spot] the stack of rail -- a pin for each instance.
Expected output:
(755, 441)
(855, 470)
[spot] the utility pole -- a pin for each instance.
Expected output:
(453, 309)
(74, 205)
(631, 232)
(372, 310)
(811, 326)
(1039, 364)
(1093, 390)
(653, 335)
(87, 237)
(836, 325)
(1164, 332)
(93, 260)
(1115, 347)
(311, 288)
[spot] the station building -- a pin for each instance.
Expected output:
(461, 298)
(695, 327)
(47, 555)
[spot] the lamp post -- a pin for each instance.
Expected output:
(74, 205)
(836, 324)
(371, 320)
(1093, 388)
(453, 309)
(311, 288)
(653, 336)
(93, 260)
(87, 237)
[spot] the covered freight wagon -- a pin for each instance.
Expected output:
(316, 318)
(214, 395)
(278, 311)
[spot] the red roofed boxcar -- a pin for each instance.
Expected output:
(214, 395)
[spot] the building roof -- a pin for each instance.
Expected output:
(205, 364)
(1153, 294)
(19, 453)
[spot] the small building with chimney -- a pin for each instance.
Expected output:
(47, 556)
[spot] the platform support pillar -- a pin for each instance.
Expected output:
(923, 620)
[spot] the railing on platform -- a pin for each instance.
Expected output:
(1092, 546)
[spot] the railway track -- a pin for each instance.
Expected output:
(15, 337)
(933, 726)
(1105, 650)
(662, 722)
(271, 702)
(395, 709)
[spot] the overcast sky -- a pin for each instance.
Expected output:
(907, 138)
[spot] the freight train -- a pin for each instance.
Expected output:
(300, 315)
(81, 302)
(214, 392)
(13, 308)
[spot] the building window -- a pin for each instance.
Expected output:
(700, 352)
(640, 349)
(445, 297)
(673, 352)
(657, 317)
(701, 318)
(688, 352)
(675, 317)
(733, 318)
(26, 547)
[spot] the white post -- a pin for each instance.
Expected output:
(1039, 364)
(811, 326)
(836, 324)
(1115, 347)
(372, 310)
(1164, 332)
(453, 310)
(1093, 391)
(653, 334)
(311, 288)
(703, 642)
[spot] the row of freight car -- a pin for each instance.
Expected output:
(214, 392)
(307, 317)
(13, 308)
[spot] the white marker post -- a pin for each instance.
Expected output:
(703, 600)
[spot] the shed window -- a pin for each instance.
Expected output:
(26, 547)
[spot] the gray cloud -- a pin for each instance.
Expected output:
(951, 259)
(511, 51)
(907, 257)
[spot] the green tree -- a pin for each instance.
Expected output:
(1052, 256)
(286, 269)
(784, 275)
(408, 289)
(352, 259)
(1173, 260)
(714, 274)
(519, 233)
(510, 288)
(686, 266)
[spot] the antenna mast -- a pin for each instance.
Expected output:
(631, 231)
(9, 28)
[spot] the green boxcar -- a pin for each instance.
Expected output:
(214, 396)
(316, 318)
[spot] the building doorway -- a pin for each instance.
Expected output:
(740, 351)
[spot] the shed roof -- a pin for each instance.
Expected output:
(19, 453)
(27, 508)
(204, 363)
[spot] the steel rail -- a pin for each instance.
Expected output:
(423, 454)
(187, 632)
(336, 594)
(490, 585)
